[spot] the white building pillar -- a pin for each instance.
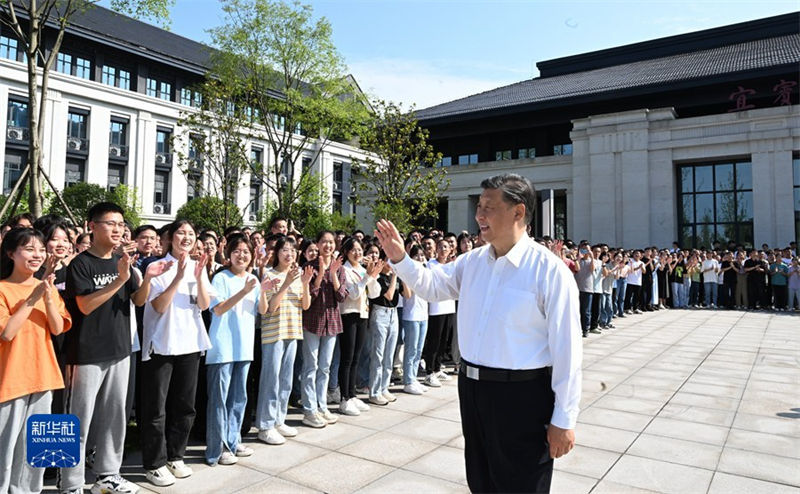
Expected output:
(98, 133)
(547, 212)
(458, 213)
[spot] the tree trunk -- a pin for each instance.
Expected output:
(34, 136)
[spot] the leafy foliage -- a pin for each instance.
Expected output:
(210, 212)
(401, 175)
(291, 80)
(82, 196)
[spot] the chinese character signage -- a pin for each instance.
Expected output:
(53, 441)
(782, 92)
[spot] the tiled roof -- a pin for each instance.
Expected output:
(747, 56)
(128, 33)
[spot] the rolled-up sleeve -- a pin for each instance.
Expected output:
(564, 339)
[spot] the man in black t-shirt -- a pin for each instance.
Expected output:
(98, 295)
(756, 271)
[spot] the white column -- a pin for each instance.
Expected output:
(97, 161)
(458, 212)
(547, 212)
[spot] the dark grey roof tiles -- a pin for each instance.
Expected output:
(751, 55)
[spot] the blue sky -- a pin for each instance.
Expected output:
(431, 51)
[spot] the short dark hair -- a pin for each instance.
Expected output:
(141, 229)
(101, 208)
(516, 189)
(11, 241)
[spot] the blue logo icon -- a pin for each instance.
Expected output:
(53, 441)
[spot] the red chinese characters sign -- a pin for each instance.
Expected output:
(782, 91)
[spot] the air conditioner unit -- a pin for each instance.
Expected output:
(336, 186)
(74, 144)
(115, 151)
(253, 217)
(14, 134)
(161, 159)
(282, 179)
(158, 208)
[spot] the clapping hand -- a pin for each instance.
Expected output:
(158, 268)
(335, 265)
(308, 273)
(374, 268)
(124, 265)
(269, 283)
(251, 283)
(198, 268)
(49, 287)
(182, 261)
(50, 265)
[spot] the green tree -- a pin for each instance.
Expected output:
(210, 213)
(292, 81)
(28, 20)
(399, 174)
(80, 197)
(215, 133)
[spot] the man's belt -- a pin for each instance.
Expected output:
(480, 373)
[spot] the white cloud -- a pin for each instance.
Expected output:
(424, 83)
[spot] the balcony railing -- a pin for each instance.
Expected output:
(119, 151)
(17, 134)
(77, 145)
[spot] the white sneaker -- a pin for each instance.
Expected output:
(389, 397)
(227, 458)
(347, 407)
(442, 376)
(432, 381)
(327, 416)
(160, 477)
(362, 407)
(286, 431)
(243, 451)
(271, 436)
(363, 390)
(114, 484)
(179, 469)
(378, 400)
(314, 420)
(412, 389)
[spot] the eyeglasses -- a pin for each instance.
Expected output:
(112, 224)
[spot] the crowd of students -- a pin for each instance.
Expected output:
(113, 324)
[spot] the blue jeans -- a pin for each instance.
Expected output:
(383, 327)
(317, 356)
(606, 309)
(275, 383)
(619, 304)
(227, 399)
(414, 335)
(585, 299)
(694, 293)
(333, 382)
(710, 290)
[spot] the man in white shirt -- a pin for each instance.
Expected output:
(710, 268)
(520, 340)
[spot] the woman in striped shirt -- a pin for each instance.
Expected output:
(281, 327)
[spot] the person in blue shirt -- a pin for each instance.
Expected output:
(232, 334)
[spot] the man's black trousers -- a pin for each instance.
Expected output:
(505, 439)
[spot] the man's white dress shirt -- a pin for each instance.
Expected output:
(520, 311)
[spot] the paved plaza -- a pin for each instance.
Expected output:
(673, 401)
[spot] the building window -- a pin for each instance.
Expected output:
(83, 68)
(255, 202)
(446, 161)
(75, 170)
(338, 185)
(306, 163)
(159, 89)
(560, 214)
(502, 155)
(524, 153)
(17, 114)
(161, 192)
(562, 149)
(14, 163)
(256, 162)
(163, 151)
(190, 97)
(194, 187)
(9, 48)
(116, 176)
(64, 63)
(467, 159)
(77, 66)
(118, 140)
(796, 173)
(715, 203)
(116, 77)
(76, 125)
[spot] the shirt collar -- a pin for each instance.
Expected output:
(514, 256)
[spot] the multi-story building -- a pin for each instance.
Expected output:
(691, 138)
(117, 91)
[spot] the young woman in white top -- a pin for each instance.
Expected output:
(355, 316)
(440, 315)
(415, 327)
(174, 337)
